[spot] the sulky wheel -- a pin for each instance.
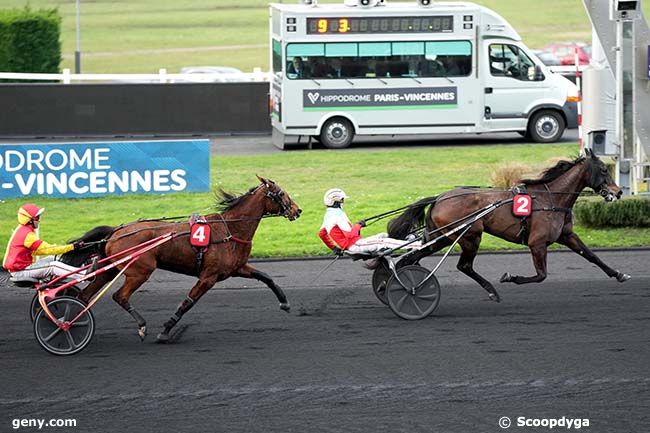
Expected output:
(414, 301)
(380, 278)
(58, 341)
(35, 307)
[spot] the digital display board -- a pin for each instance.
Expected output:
(340, 25)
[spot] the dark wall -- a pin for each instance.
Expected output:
(37, 110)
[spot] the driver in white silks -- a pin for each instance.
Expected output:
(340, 235)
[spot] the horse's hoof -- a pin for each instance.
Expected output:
(162, 338)
(142, 332)
(621, 277)
(285, 306)
(494, 297)
(506, 278)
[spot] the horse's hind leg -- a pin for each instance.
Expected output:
(202, 286)
(247, 271)
(122, 296)
(470, 244)
(539, 261)
(572, 241)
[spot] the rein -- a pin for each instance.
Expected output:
(174, 221)
(376, 218)
(381, 216)
(491, 189)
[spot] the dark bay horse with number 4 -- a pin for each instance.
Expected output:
(226, 255)
(553, 196)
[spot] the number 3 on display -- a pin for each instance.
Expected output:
(344, 25)
(522, 205)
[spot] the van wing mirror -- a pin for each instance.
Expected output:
(535, 73)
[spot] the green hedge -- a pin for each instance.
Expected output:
(29, 40)
(629, 212)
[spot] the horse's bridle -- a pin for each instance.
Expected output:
(277, 198)
(602, 188)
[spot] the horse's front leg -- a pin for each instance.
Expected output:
(247, 271)
(539, 261)
(203, 285)
(572, 241)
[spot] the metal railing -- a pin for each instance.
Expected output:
(66, 77)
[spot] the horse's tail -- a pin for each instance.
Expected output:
(411, 220)
(96, 238)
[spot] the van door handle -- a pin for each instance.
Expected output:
(488, 90)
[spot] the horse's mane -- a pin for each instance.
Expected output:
(550, 174)
(78, 257)
(227, 200)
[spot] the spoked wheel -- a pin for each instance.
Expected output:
(58, 341)
(415, 301)
(35, 307)
(380, 278)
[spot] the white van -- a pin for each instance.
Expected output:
(341, 71)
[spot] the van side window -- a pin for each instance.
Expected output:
(511, 61)
(409, 59)
(277, 57)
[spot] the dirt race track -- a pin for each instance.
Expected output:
(575, 346)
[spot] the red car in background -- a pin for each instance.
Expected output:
(566, 52)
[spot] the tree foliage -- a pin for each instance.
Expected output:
(30, 40)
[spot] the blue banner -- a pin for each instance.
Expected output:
(97, 169)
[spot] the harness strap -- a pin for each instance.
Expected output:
(519, 189)
(523, 231)
(199, 258)
(554, 209)
(240, 241)
(523, 220)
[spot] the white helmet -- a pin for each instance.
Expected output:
(334, 195)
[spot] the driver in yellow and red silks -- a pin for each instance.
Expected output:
(339, 234)
(25, 244)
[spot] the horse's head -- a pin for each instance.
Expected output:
(599, 178)
(278, 201)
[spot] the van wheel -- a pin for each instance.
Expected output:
(337, 133)
(546, 126)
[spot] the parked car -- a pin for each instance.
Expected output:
(548, 58)
(565, 51)
(212, 74)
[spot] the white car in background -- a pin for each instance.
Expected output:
(211, 74)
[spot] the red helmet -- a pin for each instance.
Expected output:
(29, 212)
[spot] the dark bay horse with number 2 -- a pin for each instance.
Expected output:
(231, 235)
(553, 196)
